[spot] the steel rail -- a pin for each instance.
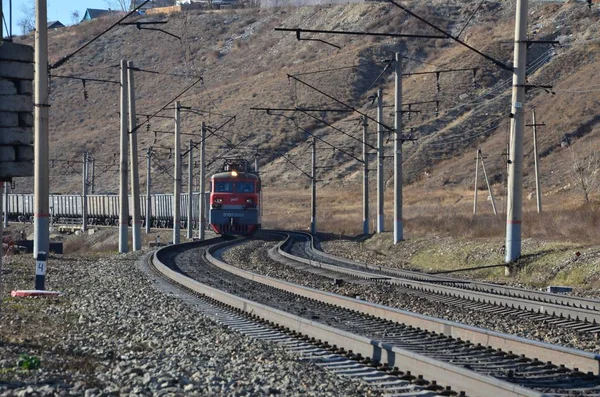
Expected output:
(571, 358)
(568, 307)
(590, 304)
(472, 383)
(310, 350)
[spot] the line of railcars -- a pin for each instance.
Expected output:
(103, 209)
(233, 205)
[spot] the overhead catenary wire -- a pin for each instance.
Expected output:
(471, 18)
(138, 69)
(448, 35)
(338, 130)
(81, 78)
(341, 103)
(66, 58)
(167, 104)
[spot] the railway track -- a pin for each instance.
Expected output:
(308, 349)
(450, 353)
(579, 314)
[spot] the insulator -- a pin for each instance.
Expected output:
(437, 82)
(85, 93)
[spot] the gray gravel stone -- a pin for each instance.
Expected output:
(122, 336)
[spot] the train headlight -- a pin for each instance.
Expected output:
(218, 200)
(249, 201)
(234, 173)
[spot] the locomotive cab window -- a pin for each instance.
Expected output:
(223, 187)
(244, 187)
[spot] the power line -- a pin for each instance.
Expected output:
(339, 130)
(339, 68)
(299, 31)
(449, 36)
(57, 76)
(167, 104)
(340, 102)
(316, 137)
(470, 18)
(64, 59)
(165, 73)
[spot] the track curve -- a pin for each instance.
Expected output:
(385, 337)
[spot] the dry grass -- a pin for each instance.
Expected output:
(433, 214)
(106, 241)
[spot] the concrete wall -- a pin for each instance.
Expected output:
(16, 111)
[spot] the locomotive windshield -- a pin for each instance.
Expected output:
(223, 187)
(244, 187)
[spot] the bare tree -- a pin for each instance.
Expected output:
(119, 5)
(585, 167)
(75, 17)
(27, 23)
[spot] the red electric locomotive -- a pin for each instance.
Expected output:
(235, 199)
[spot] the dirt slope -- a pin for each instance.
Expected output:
(245, 63)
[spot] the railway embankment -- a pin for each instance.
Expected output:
(543, 263)
(114, 332)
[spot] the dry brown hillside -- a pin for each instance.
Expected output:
(245, 63)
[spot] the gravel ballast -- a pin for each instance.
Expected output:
(115, 333)
(253, 256)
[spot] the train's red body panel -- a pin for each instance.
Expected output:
(235, 199)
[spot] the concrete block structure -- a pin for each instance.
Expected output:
(16, 111)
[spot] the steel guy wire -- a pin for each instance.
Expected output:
(499, 88)
(64, 59)
(471, 18)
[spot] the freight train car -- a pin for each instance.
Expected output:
(103, 209)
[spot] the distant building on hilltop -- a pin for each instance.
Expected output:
(93, 13)
(151, 4)
(55, 25)
(209, 3)
(298, 3)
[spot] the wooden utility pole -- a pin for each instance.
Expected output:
(177, 174)
(514, 210)
(365, 178)
(380, 160)
(41, 199)
(398, 223)
(136, 222)
(123, 196)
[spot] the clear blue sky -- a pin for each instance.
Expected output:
(60, 10)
